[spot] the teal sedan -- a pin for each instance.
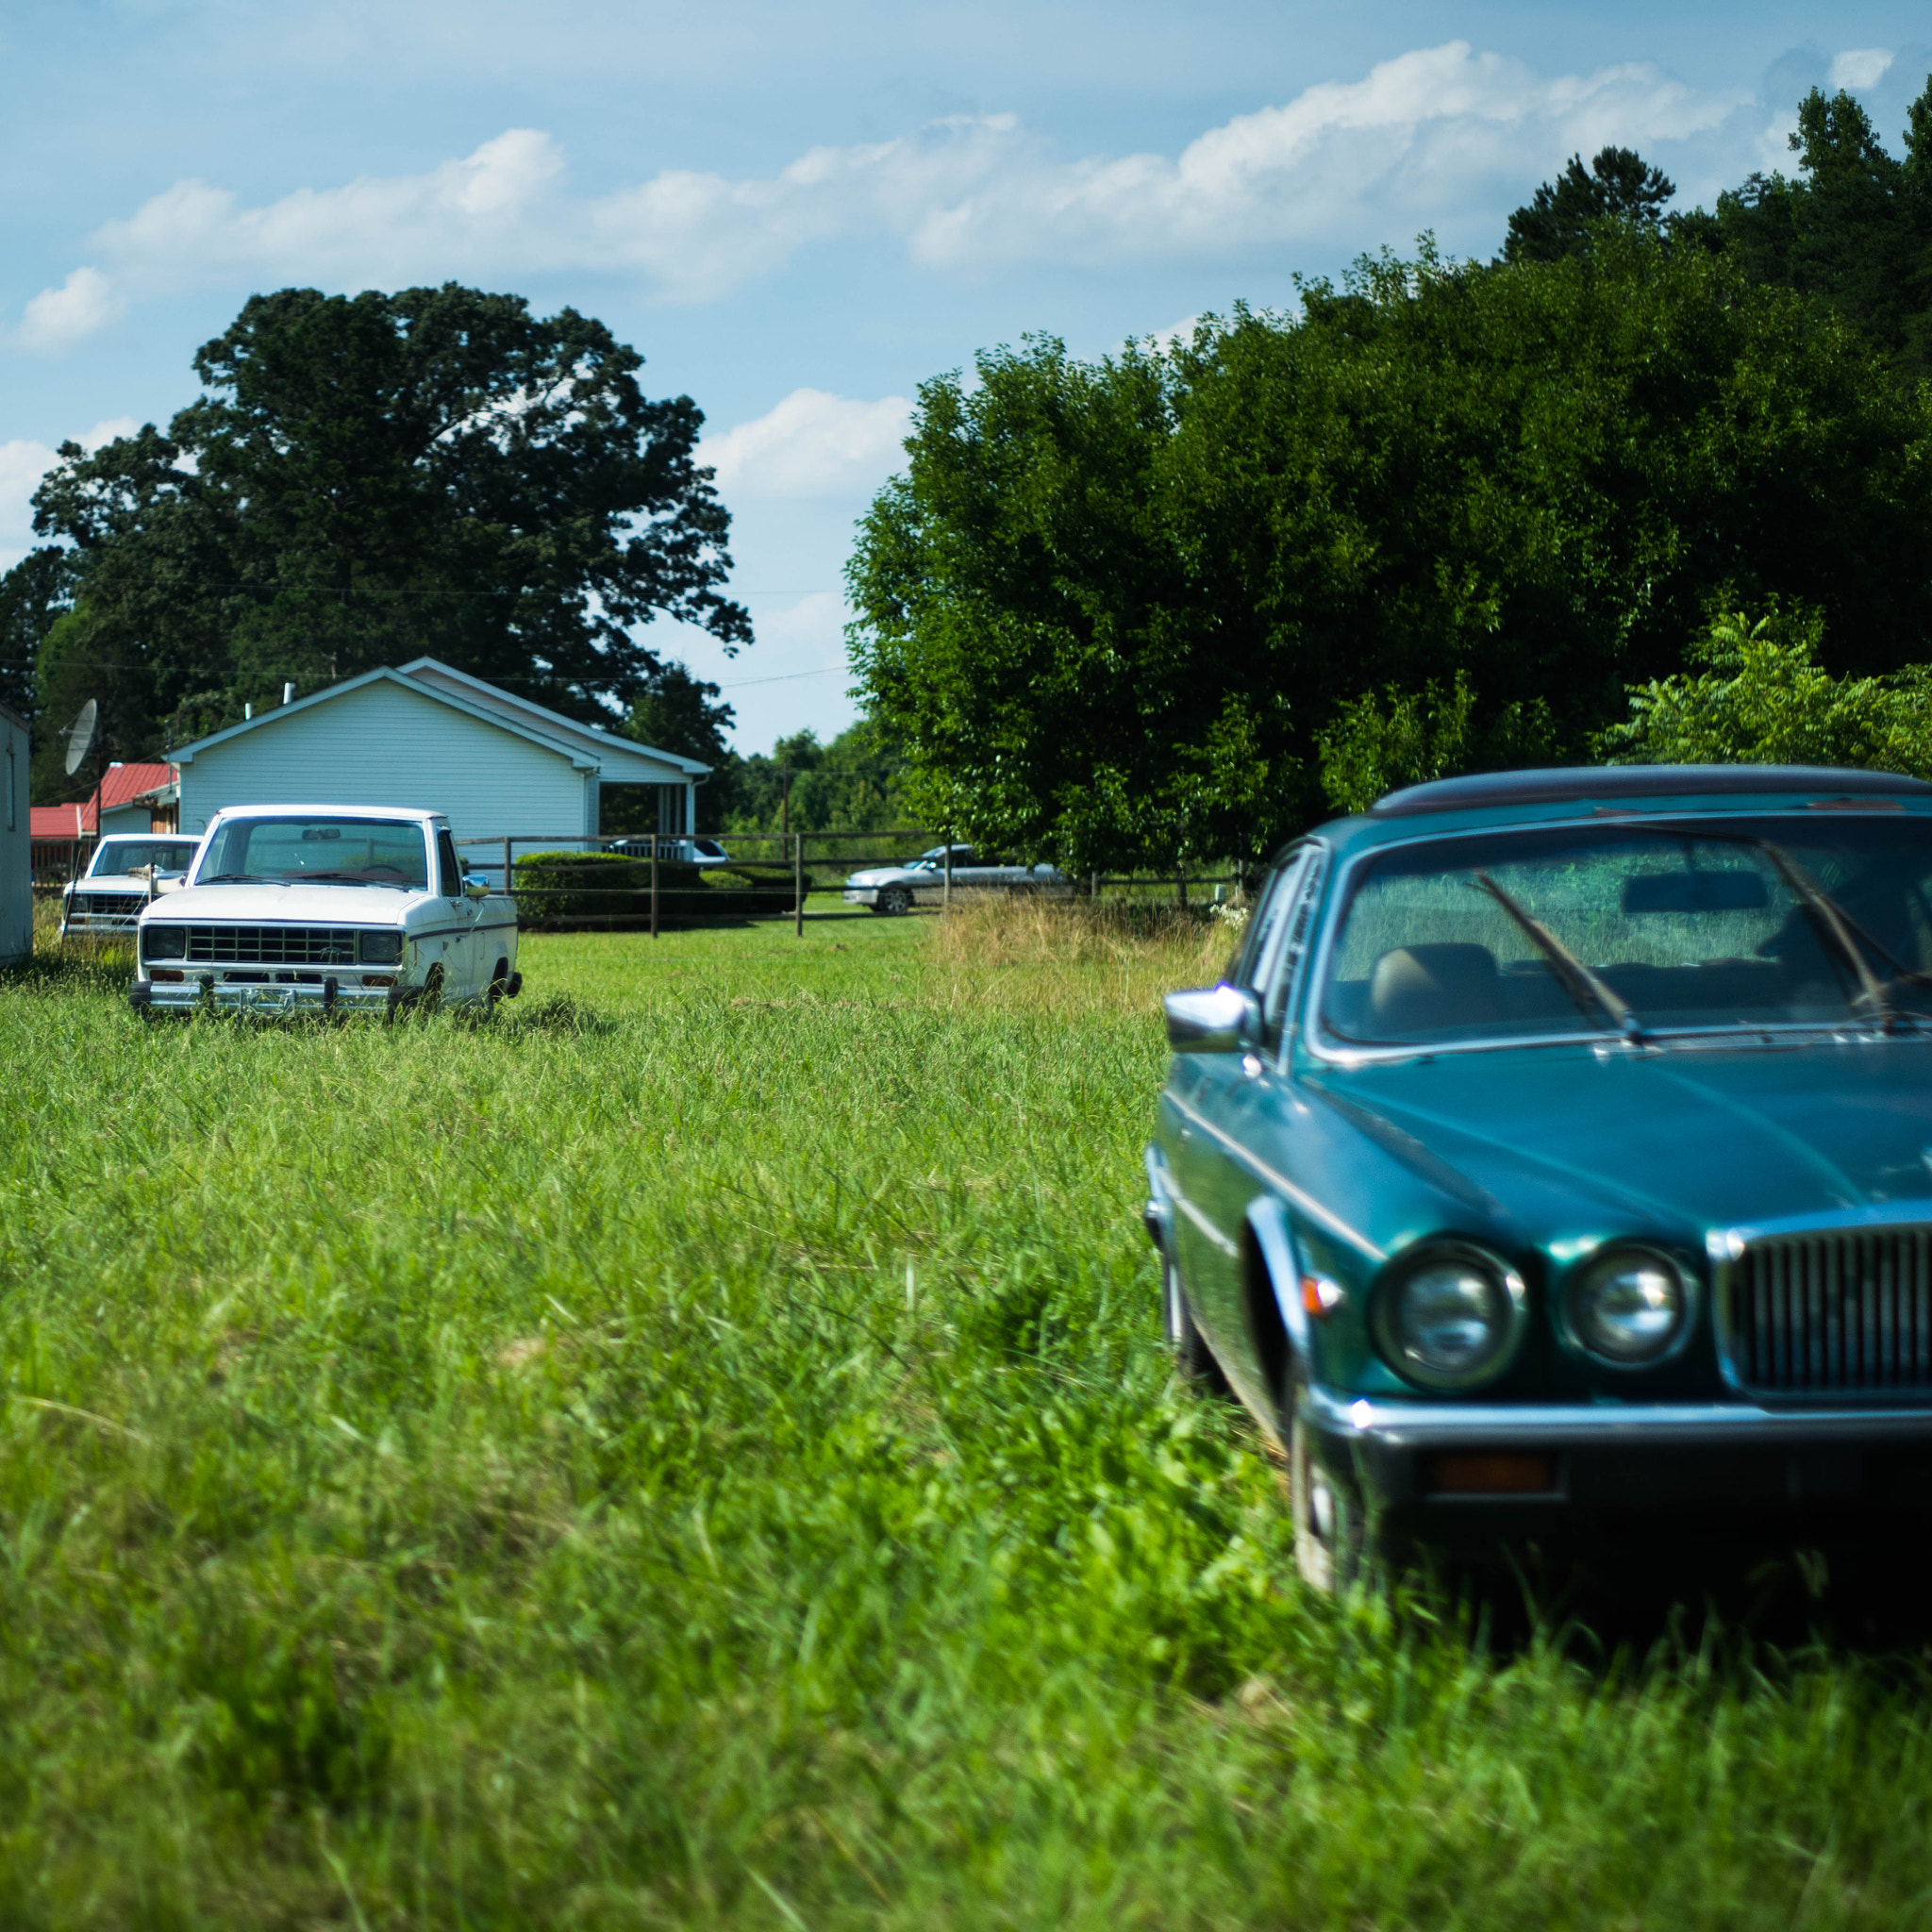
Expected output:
(1556, 1156)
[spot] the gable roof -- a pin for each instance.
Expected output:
(120, 785)
(430, 672)
(587, 749)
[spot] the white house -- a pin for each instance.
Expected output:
(16, 874)
(432, 738)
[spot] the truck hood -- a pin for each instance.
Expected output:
(290, 904)
(1562, 1139)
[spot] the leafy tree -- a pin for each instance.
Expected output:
(1762, 697)
(371, 478)
(1561, 216)
(1854, 230)
(852, 784)
(32, 595)
(675, 713)
(1119, 612)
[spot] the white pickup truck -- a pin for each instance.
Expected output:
(326, 908)
(127, 870)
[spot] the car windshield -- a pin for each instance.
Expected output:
(367, 852)
(1637, 927)
(122, 856)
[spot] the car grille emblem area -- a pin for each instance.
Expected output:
(271, 945)
(1830, 1312)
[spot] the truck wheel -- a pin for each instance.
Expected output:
(1328, 1521)
(893, 899)
(1193, 1358)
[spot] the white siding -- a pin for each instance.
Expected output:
(16, 875)
(384, 744)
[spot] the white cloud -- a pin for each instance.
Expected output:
(1422, 137)
(23, 463)
(811, 444)
(1858, 68)
(57, 318)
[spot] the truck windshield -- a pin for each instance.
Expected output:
(122, 856)
(1814, 919)
(286, 851)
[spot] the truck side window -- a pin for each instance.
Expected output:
(449, 875)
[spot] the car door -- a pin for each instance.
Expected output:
(457, 916)
(1217, 1173)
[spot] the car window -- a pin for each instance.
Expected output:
(1289, 946)
(1687, 924)
(1266, 924)
(288, 850)
(449, 875)
(132, 854)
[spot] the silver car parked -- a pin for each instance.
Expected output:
(921, 881)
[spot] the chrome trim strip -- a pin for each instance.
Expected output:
(1423, 1425)
(1280, 1182)
(1201, 1221)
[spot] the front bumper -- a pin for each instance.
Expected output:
(862, 895)
(323, 994)
(1411, 1462)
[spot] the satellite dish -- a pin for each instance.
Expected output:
(80, 735)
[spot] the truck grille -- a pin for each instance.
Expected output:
(1834, 1311)
(106, 905)
(271, 945)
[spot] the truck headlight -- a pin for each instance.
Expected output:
(379, 948)
(1451, 1317)
(1627, 1306)
(163, 943)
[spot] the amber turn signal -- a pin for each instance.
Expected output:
(1318, 1294)
(1490, 1472)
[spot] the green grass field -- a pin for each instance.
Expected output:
(697, 1450)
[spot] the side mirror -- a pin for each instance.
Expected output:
(1217, 1019)
(476, 889)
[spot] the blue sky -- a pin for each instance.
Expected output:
(797, 214)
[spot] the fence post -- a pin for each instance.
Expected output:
(654, 885)
(798, 885)
(1180, 887)
(946, 890)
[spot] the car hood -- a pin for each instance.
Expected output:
(885, 876)
(292, 904)
(1566, 1141)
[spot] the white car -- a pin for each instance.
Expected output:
(326, 908)
(677, 849)
(923, 880)
(127, 870)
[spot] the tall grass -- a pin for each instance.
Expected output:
(697, 1451)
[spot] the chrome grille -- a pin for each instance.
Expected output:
(1831, 1312)
(271, 945)
(106, 905)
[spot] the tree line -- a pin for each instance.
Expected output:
(1180, 602)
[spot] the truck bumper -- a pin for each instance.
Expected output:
(271, 999)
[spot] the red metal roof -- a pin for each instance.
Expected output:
(121, 784)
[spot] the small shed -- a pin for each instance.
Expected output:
(16, 820)
(427, 736)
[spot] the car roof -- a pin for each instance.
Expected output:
(1555, 793)
(334, 811)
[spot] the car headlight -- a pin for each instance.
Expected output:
(1452, 1317)
(379, 948)
(163, 943)
(1627, 1306)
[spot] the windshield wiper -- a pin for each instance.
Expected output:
(1831, 920)
(1583, 986)
(240, 878)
